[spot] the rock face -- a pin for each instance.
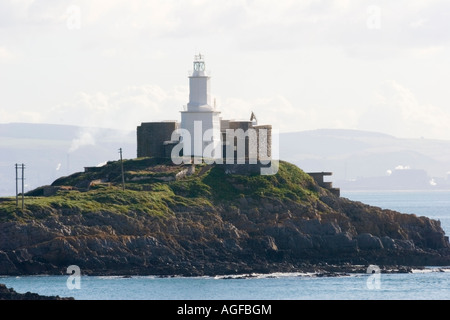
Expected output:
(201, 228)
(11, 294)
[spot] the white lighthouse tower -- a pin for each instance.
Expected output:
(201, 119)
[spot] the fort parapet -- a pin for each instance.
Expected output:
(319, 178)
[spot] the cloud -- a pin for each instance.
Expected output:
(285, 116)
(85, 138)
(250, 24)
(127, 108)
(124, 109)
(406, 27)
(19, 13)
(401, 26)
(6, 55)
(142, 42)
(397, 111)
(12, 12)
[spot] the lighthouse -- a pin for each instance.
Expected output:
(203, 136)
(200, 119)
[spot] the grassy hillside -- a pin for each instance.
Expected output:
(152, 188)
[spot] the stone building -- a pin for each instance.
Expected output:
(257, 140)
(154, 138)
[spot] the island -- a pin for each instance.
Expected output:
(197, 219)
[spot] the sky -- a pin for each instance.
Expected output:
(380, 66)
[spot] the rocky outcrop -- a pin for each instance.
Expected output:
(210, 241)
(11, 294)
(249, 233)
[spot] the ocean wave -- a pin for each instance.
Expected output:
(431, 269)
(278, 275)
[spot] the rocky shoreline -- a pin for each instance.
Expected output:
(208, 224)
(11, 294)
(320, 270)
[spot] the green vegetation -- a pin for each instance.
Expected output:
(152, 188)
(113, 199)
(289, 183)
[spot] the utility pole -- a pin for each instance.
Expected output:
(121, 166)
(20, 166)
(17, 185)
(23, 183)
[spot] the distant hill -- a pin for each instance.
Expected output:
(358, 159)
(370, 160)
(50, 151)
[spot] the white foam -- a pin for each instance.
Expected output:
(268, 275)
(431, 269)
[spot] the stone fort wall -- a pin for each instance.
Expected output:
(153, 139)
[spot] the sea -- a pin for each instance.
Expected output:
(430, 283)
